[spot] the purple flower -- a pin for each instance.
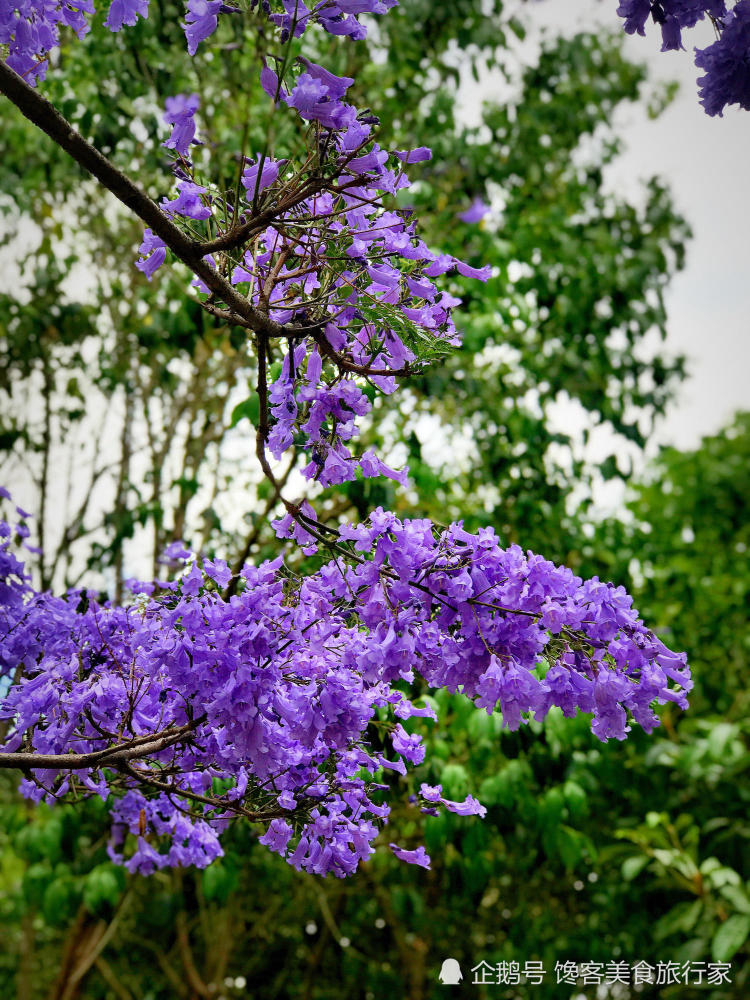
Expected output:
(671, 34)
(188, 203)
(336, 86)
(277, 836)
(480, 273)
(372, 162)
(200, 22)
(146, 859)
(408, 745)
(295, 19)
(514, 688)
(176, 551)
(153, 253)
(268, 175)
(338, 467)
(180, 112)
(635, 13)
(218, 571)
(475, 212)
(316, 101)
(418, 857)
(125, 12)
(364, 6)
(192, 581)
(469, 807)
(431, 793)
(418, 155)
(269, 81)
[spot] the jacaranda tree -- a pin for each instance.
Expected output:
(264, 693)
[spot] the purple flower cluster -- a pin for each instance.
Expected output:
(201, 20)
(727, 64)
(726, 61)
(188, 203)
(671, 16)
(180, 113)
(337, 17)
(198, 708)
(337, 263)
(490, 616)
(30, 28)
(475, 212)
(15, 586)
(153, 251)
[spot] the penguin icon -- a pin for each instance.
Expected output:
(450, 974)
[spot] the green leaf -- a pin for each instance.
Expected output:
(249, 408)
(481, 726)
(679, 920)
(724, 876)
(455, 781)
(576, 800)
(60, 900)
(719, 737)
(103, 887)
(737, 896)
(35, 882)
(41, 840)
(218, 881)
(730, 937)
(632, 867)
(569, 844)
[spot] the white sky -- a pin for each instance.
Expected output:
(707, 164)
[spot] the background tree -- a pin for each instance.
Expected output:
(160, 467)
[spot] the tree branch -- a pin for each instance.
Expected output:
(46, 117)
(252, 538)
(109, 757)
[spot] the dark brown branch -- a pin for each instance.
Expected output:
(109, 757)
(178, 985)
(263, 430)
(110, 978)
(46, 117)
(255, 225)
(229, 317)
(252, 538)
(145, 778)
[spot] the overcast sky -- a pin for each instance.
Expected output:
(707, 163)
